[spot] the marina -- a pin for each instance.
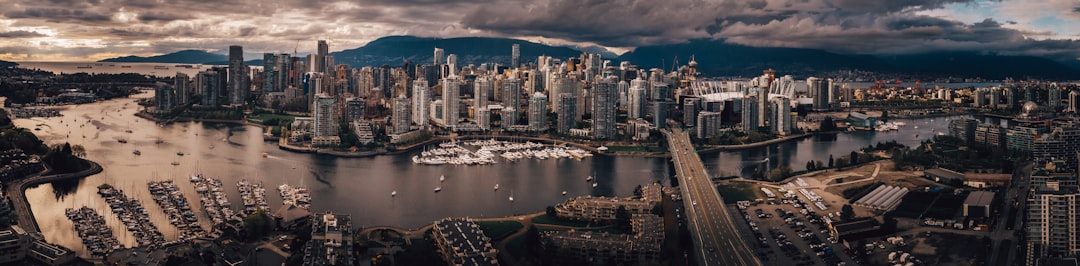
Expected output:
(296, 196)
(96, 235)
(176, 208)
(486, 152)
(212, 198)
(133, 215)
(254, 196)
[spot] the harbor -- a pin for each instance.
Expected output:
(131, 212)
(296, 196)
(96, 235)
(172, 201)
(482, 152)
(213, 199)
(253, 195)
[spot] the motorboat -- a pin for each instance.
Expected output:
(442, 178)
(564, 193)
(496, 186)
(437, 189)
(393, 193)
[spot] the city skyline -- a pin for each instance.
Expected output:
(81, 31)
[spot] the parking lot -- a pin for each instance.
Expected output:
(787, 231)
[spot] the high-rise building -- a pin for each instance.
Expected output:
(182, 83)
(604, 95)
(402, 121)
(1053, 222)
(354, 109)
(819, 90)
(980, 97)
(238, 76)
(451, 92)
(325, 123)
(708, 124)
(781, 109)
(1060, 145)
(515, 56)
(991, 136)
(165, 98)
(1053, 96)
(509, 117)
(511, 98)
(321, 56)
(538, 112)
(451, 65)
(211, 83)
(749, 113)
(995, 97)
(691, 107)
(421, 102)
(963, 129)
(567, 113)
(660, 113)
(1074, 101)
(483, 118)
(636, 108)
(439, 56)
(482, 89)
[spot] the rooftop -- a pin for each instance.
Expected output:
(979, 198)
(944, 173)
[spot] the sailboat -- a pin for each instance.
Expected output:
(511, 196)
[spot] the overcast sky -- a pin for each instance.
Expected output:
(66, 30)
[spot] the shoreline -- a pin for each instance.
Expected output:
(17, 191)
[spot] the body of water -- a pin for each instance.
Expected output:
(153, 69)
(357, 186)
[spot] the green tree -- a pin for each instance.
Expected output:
(847, 212)
(830, 161)
(622, 219)
(854, 158)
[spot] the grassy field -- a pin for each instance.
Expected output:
(738, 191)
(259, 118)
(498, 230)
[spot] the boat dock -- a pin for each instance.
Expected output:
(176, 208)
(133, 215)
(95, 234)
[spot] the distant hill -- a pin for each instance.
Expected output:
(181, 57)
(7, 64)
(394, 50)
(717, 58)
(967, 64)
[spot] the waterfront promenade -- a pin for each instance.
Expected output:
(16, 191)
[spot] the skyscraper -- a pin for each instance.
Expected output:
(451, 91)
(781, 124)
(637, 102)
(567, 113)
(660, 113)
(211, 83)
(1053, 222)
(183, 88)
(482, 88)
(819, 90)
(451, 65)
(515, 56)
(165, 98)
(483, 118)
(1074, 101)
(690, 107)
(421, 102)
(749, 113)
(440, 55)
(511, 94)
(325, 122)
(1054, 97)
(238, 76)
(401, 118)
(538, 112)
(509, 117)
(604, 96)
(708, 124)
(321, 63)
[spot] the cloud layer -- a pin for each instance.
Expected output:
(35, 30)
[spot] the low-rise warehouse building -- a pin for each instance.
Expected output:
(977, 204)
(883, 198)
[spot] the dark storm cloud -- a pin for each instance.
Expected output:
(20, 34)
(58, 14)
(849, 26)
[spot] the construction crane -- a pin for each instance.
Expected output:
(297, 47)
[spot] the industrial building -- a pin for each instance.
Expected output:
(977, 204)
(883, 198)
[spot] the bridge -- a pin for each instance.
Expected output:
(712, 230)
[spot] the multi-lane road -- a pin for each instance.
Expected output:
(713, 231)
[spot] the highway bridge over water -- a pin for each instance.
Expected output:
(715, 237)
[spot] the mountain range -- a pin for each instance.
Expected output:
(714, 58)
